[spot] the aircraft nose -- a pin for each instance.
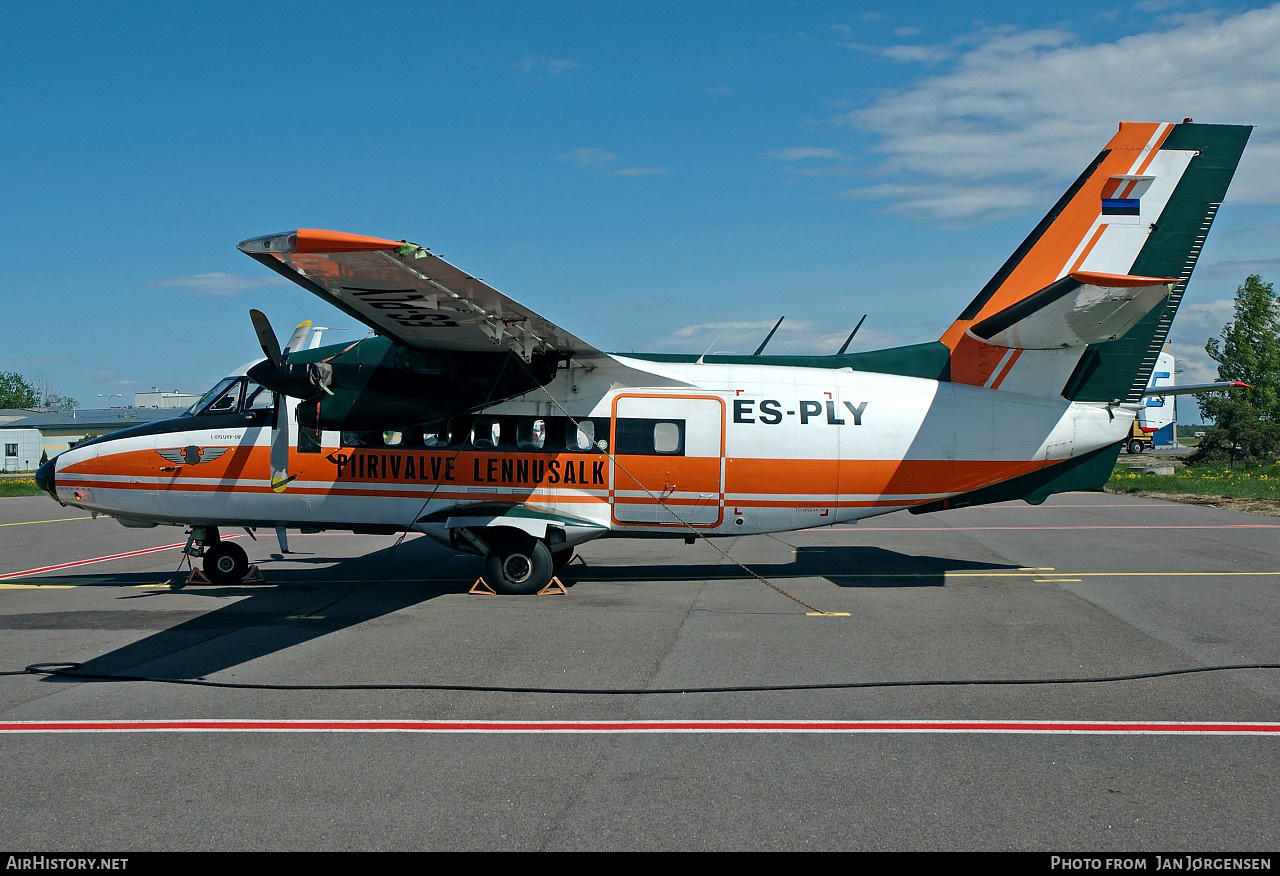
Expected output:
(45, 476)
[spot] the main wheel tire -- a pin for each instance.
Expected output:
(518, 566)
(1135, 446)
(560, 559)
(225, 562)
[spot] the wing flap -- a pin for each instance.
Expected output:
(1080, 309)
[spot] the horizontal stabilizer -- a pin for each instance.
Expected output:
(1080, 309)
(1193, 388)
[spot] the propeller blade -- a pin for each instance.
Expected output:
(266, 337)
(280, 476)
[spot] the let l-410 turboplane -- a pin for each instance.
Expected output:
(474, 420)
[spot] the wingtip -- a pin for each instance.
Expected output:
(316, 240)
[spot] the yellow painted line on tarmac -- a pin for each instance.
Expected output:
(828, 614)
(1036, 574)
(8, 585)
(55, 520)
(1085, 575)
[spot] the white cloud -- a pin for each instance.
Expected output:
(640, 171)
(802, 153)
(1021, 111)
(217, 283)
(1238, 270)
(1205, 318)
(952, 203)
(595, 158)
(916, 54)
(549, 66)
(590, 156)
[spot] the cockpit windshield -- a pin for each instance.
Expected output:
(233, 395)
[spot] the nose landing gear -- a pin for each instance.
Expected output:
(224, 562)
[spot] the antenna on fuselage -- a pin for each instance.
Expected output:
(768, 337)
(845, 345)
(707, 350)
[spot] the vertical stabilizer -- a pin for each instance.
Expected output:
(1141, 209)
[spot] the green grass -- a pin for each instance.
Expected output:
(1241, 482)
(18, 487)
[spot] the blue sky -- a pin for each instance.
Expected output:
(652, 176)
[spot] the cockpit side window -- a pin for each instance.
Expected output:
(259, 398)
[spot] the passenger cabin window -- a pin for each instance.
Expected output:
(581, 436)
(488, 434)
(531, 434)
(436, 434)
(666, 438)
(646, 437)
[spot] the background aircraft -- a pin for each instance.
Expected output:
(470, 418)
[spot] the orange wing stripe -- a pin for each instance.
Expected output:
(317, 240)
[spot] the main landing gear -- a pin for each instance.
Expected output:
(515, 562)
(518, 564)
(224, 562)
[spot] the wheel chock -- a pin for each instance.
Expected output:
(253, 576)
(198, 577)
(553, 587)
(482, 586)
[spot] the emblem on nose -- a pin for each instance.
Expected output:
(192, 455)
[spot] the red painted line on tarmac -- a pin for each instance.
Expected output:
(233, 725)
(74, 563)
(1058, 528)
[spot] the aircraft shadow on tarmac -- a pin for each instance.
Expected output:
(299, 605)
(843, 566)
(293, 606)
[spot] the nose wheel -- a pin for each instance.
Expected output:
(225, 562)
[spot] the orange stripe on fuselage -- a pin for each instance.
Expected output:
(769, 482)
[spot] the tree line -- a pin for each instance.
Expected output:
(1246, 422)
(18, 392)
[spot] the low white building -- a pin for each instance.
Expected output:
(21, 449)
(58, 430)
(158, 399)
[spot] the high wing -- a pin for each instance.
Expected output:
(410, 295)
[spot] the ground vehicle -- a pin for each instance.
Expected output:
(1141, 438)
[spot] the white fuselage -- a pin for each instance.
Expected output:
(723, 449)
